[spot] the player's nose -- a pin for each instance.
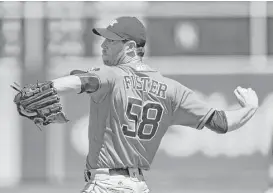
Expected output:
(103, 45)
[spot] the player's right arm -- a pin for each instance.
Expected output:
(190, 110)
(248, 100)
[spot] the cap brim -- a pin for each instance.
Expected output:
(106, 34)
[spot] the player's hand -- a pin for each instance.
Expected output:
(246, 97)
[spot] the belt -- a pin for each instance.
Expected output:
(116, 171)
(123, 171)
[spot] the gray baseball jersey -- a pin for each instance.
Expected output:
(131, 111)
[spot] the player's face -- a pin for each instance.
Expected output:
(111, 51)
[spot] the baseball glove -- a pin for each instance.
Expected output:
(39, 103)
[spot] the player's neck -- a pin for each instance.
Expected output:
(130, 58)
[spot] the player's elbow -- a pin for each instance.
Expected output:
(219, 130)
(89, 82)
(217, 122)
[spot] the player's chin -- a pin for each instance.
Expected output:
(107, 62)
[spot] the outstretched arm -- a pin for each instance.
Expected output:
(67, 84)
(96, 82)
(85, 82)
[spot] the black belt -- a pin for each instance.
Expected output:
(122, 171)
(115, 171)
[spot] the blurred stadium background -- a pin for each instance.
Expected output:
(211, 47)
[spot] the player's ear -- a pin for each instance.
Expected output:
(130, 48)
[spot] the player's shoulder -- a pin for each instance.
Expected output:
(173, 84)
(175, 87)
(99, 68)
(100, 71)
(82, 71)
(107, 70)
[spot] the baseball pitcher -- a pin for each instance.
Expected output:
(131, 108)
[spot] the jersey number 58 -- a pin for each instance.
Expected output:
(134, 110)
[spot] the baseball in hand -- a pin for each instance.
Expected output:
(246, 97)
(242, 90)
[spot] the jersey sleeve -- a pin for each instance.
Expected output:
(189, 109)
(97, 82)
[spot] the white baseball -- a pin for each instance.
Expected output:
(243, 90)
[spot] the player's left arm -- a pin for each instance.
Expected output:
(85, 81)
(66, 84)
